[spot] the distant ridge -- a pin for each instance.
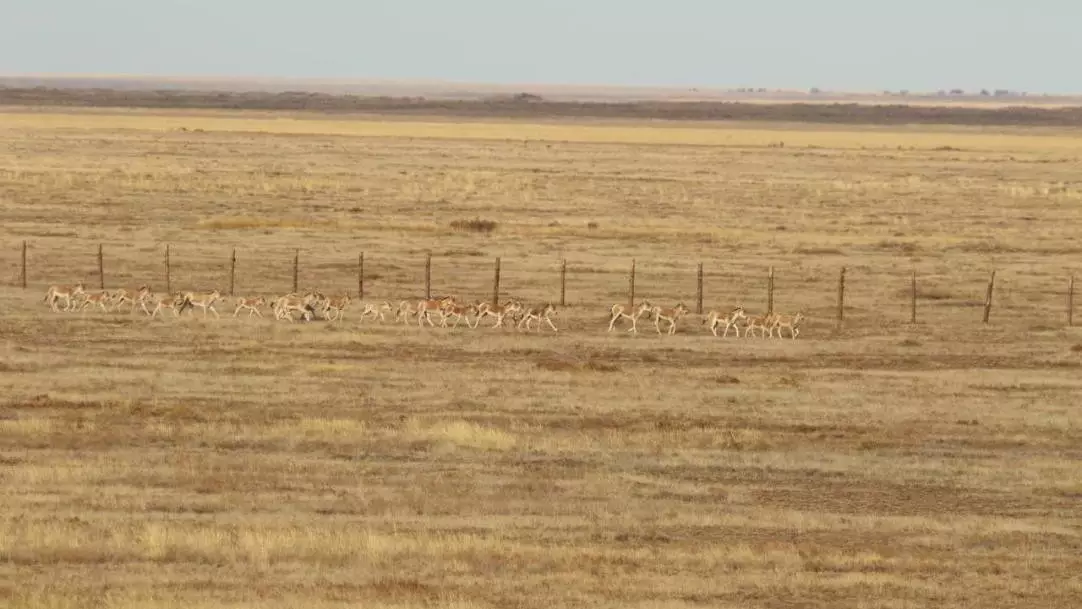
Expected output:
(448, 90)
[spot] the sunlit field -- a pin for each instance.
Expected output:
(243, 461)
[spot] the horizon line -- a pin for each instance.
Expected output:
(521, 85)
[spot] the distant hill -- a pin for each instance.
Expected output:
(542, 101)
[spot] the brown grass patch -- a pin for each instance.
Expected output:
(475, 225)
(257, 222)
(552, 364)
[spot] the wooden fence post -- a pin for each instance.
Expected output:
(168, 285)
(101, 268)
(360, 276)
(22, 275)
(699, 293)
(988, 297)
(841, 297)
(563, 282)
(1070, 301)
(428, 276)
(913, 297)
(496, 285)
(232, 270)
(296, 267)
(770, 292)
(631, 286)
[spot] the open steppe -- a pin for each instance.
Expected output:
(243, 462)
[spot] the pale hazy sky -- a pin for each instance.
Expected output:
(1026, 45)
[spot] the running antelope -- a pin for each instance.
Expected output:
(760, 322)
(251, 305)
(424, 308)
(541, 313)
(498, 311)
(68, 293)
(306, 304)
(406, 310)
(792, 322)
(167, 302)
(133, 298)
(670, 315)
(202, 300)
(380, 311)
(338, 305)
(460, 312)
(633, 313)
(730, 320)
(515, 316)
(278, 304)
(102, 298)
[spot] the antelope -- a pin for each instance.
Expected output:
(460, 312)
(68, 293)
(762, 322)
(306, 304)
(378, 310)
(669, 315)
(787, 321)
(202, 300)
(138, 297)
(540, 313)
(251, 305)
(338, 305)
(278, 303)
(730, 320)
(619, 310)
(167, 302)
(516, 315)
(498, 311)
(425, 306)
(406, 310)
(100, 298)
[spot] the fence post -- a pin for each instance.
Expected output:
(428, 276)
(631, 286)
(360, 276)
(699, 299)
(168, 285)
(296, 267)
(101, 268)
(988, 297)
(841, 297)
(563, 282)
(232, 270)
(496, 285)
(23, 274)
(912, 298)
(770, 292)
(1070, 301)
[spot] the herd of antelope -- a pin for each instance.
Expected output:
(311, 304)
(766, 324)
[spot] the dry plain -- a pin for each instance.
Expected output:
(247, 463)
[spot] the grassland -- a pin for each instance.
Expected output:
(244, 463)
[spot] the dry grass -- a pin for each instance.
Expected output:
(243, 463)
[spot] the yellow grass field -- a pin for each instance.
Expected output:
(243, 462)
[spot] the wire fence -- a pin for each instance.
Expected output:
(843, 296)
